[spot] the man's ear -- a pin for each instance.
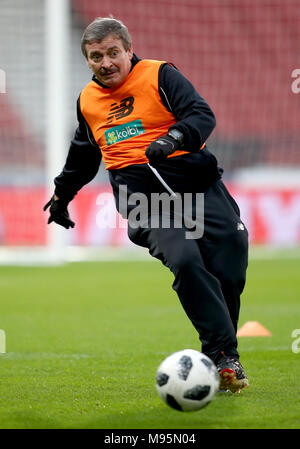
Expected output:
(130, 52)
(87, 63)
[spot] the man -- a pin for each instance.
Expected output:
(151, 126)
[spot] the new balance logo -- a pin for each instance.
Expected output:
(240, 227)
(121, 110)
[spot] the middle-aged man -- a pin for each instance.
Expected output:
(149, 124)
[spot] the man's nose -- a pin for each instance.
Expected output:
(106, 62)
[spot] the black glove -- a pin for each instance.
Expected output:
(59, 213)
(158, 150)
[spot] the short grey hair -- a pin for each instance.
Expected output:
(102, 27)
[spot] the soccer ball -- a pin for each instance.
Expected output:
(187, 380)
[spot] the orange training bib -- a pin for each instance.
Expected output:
(125, 120)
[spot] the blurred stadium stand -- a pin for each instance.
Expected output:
(239, 54)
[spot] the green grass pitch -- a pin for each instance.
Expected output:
(84, 341)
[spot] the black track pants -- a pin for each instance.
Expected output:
(209, 272)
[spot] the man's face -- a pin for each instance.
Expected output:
(109, 60)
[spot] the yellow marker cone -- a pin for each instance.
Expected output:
(2, 342)
(253, 329)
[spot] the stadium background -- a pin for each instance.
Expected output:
(239, 54)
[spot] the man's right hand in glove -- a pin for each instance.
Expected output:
(59, 212)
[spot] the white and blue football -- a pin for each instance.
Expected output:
(187, 380)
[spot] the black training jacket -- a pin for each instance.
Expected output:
(189, 172)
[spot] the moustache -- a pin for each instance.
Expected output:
(104, 72)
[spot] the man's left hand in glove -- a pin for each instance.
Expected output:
(162, 147)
